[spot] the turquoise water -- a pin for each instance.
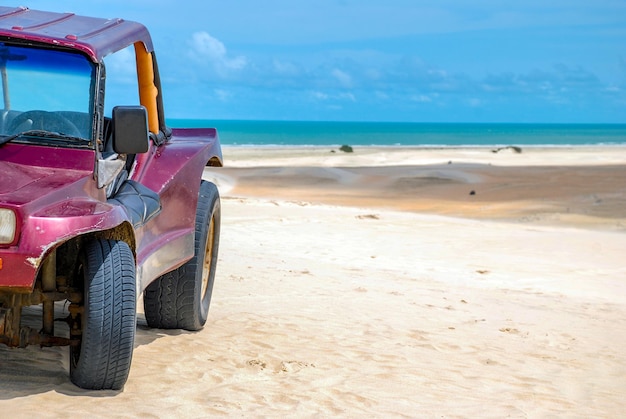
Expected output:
(309, 133)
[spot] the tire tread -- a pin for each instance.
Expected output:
(170, 302)
(110, 325)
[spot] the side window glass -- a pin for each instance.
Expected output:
(121, 80)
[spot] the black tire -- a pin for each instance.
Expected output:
(109, 317)
(180, 299)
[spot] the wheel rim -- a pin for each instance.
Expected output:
(208, 257)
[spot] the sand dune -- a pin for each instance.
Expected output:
(331, 302)
(572, 187)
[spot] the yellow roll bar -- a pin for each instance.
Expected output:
(147, 90)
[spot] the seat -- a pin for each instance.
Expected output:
(6, 117)
(141, 202)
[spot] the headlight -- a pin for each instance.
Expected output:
(7, 226)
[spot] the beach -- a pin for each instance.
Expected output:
(387, 282)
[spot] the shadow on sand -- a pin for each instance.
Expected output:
(34, 370)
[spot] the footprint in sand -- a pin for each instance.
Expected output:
(368, 216)
(257, 363)
(293, 366)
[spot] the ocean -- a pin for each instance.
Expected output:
(314, 133)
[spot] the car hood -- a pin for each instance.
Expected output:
(21, 184)
(16, 176)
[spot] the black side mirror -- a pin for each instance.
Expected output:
(130, 129)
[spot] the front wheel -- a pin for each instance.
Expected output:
(180, 299)
(108, 317)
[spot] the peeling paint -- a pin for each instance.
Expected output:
(34, 262)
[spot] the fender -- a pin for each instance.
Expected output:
(48, 229)
(173, 170)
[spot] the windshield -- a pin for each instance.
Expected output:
(44, 90)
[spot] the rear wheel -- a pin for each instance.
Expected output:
(108, 317)
(180, 299)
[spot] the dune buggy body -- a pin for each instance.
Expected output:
(96, 209)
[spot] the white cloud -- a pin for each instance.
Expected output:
(421, 98)
(121, 66)
(222, 94)
(206, 48)
(319, 95)
(344, 78)
(342, 96)
(382, 95)
(209, 46)
(346, 96)
(285, 68)
(474, 102)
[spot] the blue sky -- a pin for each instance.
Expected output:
(384, 60)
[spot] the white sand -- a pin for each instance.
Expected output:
(344, 309)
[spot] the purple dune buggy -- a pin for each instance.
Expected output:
(99, 204)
